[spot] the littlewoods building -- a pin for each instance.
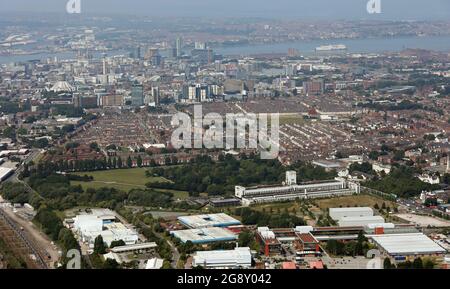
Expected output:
(290, 190)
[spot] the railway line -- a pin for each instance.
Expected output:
(25, 243)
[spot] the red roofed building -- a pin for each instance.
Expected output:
(288, 265)
(316, 265)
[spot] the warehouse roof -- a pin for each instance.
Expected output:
(238, 256)
(134, 247)
(205, 235)
(416, 243)
(210, 220)
(351, 209)
(4, 172)
(362, 218)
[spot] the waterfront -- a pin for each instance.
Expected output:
(371, 45)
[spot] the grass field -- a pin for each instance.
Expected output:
(124, 180)
(352, 201)
(276, 206)
(324, 204)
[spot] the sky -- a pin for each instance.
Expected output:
(295, 9)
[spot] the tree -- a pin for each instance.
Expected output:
(119, 162)
(110, 264)
(373, 155)
(114, 163)
(166, 265)
(245, 239)
(387, 263)
(399, 155)
(446, 179)
(129, 162)
(139, 161)
(94, 146)
(117, 243)
(417, 264)
(99, 245)
(428, 264)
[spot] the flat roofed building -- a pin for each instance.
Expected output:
(269, 241)
(154, 263)
(407, 245)
(209, 220)
(204, 235)
(134, 247)
(321, 189)
(225, 202)
(360, 221)
(306, 242)
(226, 259)
(102, 222)
(5, 173)
(288, 265)
(337, 213)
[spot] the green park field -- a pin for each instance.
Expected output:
(124, 180)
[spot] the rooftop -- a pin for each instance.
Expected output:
(134, 247)
(210, 220)
(205, 235)
(416, 243)
(238, 256)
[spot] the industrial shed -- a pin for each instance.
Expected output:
(407, 245)
(205, 235)
(360, 221)
(208, 220)
(229, 259)
(337, 213)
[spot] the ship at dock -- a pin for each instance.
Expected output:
(331, 47)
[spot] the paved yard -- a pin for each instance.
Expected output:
(424, 221)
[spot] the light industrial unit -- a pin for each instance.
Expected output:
(209, 220)
(407, 245)
(227, 259)
(204, 235)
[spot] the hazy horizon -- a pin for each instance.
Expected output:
(299, 9)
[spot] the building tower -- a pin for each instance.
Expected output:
(137, 94)
(104, 67)
(179, 45)
(291, 178)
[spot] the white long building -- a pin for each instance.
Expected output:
(337, 213)
(291, 191)
(102, 222)
(223, 259)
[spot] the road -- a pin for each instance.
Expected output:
(175, 253)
